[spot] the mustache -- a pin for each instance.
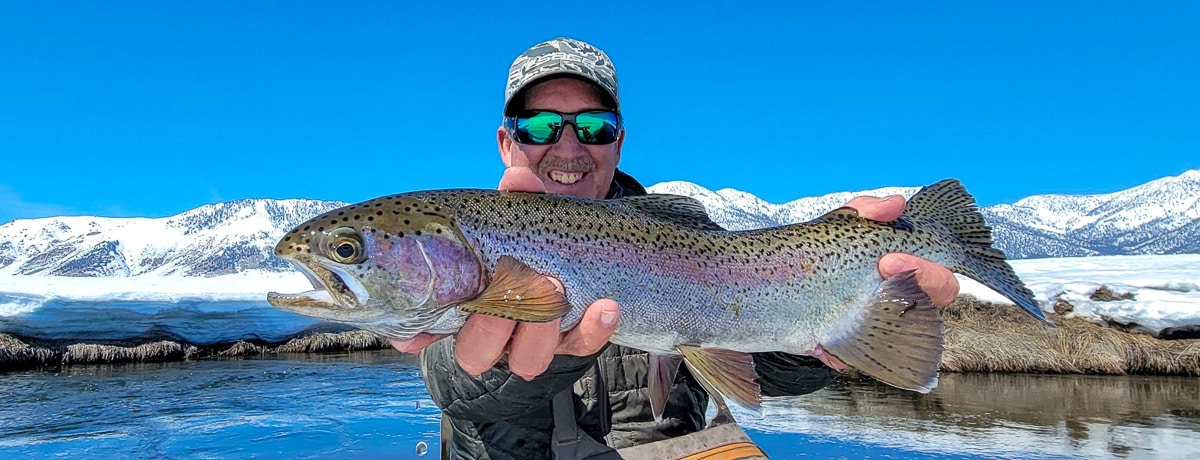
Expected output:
(579, 164)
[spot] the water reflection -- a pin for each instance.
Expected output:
(335, 405)
(1084, 416)
(373, 405)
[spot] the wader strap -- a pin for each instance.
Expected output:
(446, 433)
(570, 442)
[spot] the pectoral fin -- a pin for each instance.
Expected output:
(900, 340)
(519, 293)
(663, 369)
(681, 210)
(731, 373)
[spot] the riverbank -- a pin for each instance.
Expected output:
(980, 337)
(25, 353)
(985, 337)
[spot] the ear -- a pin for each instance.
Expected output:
(620, 143)
(504, 143)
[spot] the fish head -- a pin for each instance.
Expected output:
(392, 265)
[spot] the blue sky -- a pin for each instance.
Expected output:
(150, 109)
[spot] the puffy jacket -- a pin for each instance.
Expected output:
(502, 416)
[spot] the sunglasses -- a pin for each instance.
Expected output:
(543, 127)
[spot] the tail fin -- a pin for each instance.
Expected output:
(948, 203)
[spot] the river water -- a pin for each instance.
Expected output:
(374, 405)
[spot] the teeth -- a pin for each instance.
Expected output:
(565, 178)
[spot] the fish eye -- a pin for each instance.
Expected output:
(346, 250)
(345, 246)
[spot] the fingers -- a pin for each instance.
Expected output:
(481, 342)
(937, 281)
(532, 348)
(415, 344)
(534, 345)
(521, 179)
(594, 329)
(884, 209)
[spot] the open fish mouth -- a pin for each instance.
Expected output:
(338, 296)
(332, 289)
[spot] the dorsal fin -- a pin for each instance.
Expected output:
(842, 213)
(678, 209)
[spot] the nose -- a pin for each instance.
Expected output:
(568, 144)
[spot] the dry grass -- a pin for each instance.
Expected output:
(86, 353)
(243, 348)
(983, 337)
(326, 341)
(15, 353)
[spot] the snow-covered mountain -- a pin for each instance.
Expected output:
(738, 210)
(1159, 217)
(214, 239)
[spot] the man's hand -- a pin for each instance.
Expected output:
(938, 282)
(530, 346)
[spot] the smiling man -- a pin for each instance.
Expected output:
(523, 390)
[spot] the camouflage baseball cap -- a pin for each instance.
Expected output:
(562, 56)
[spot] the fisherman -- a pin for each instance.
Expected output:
(523, 390)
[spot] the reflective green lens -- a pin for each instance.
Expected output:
(541, 128)
(596, 127)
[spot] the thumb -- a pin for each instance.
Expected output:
(521, 179)
(593, 331)
(884, 209)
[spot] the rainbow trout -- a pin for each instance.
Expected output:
(420, 262)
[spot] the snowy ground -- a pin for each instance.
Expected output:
(205, 310)
(1166, 289)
